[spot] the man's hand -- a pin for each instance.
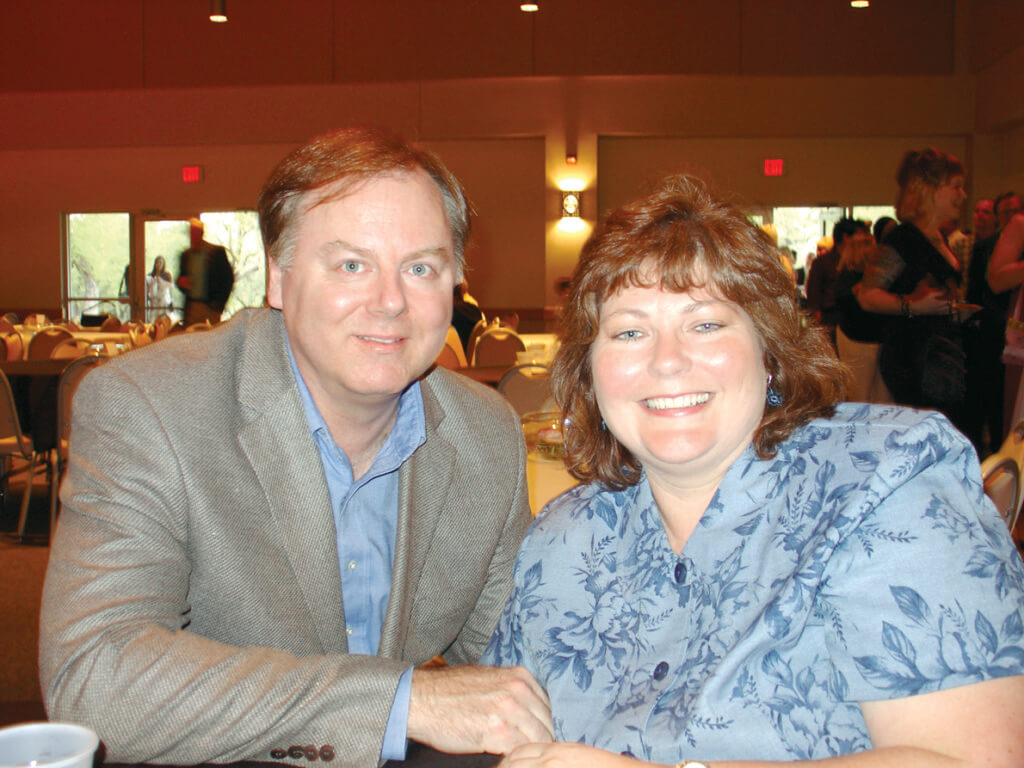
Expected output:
(469, 709)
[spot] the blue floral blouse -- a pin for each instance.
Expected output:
(862, 562)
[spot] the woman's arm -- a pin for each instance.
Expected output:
(883, 268)
(1006, 269)
(974, 725)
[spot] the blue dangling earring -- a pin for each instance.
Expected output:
(772, 396)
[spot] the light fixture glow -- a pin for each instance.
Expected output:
(860, 3)
(529, 7)
(571, 225)
(571, 185)
(219, 11)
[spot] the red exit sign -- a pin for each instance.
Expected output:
(191, 174)
(773, 166)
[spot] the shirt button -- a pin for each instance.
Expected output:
(660, 671)
(680, 573)
(351, 565)
(348, 631)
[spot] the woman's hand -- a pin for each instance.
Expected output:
(926, 300)
(561, 754)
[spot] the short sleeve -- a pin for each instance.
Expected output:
(883, 267)
(927, 590)
(505, 648)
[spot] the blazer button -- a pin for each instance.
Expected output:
(296, 752)
(311, 754)
(278, 754)
(327, 753)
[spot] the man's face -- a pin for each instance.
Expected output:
(859, 240)
(984, 219)
(367, 295)
(1008, 208)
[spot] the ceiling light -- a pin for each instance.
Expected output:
(860, 3)
(219, 10)
(529, 7)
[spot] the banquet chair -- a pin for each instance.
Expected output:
(69, 349)
(480, 327)
(14, 444)
(497, 345)
(451, 355)
(11, 346)
(112, 324)
(1003, 477)
(528, 388)
(6, 326)
(66, 388)
(45, 340)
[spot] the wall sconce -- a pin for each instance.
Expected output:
(219, 10)
(570, 204)
(572, 197)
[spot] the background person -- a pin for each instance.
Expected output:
(751, 572)
(914, 278)
(205, 277)
(158, 290)
(859, 333)
(270, 527)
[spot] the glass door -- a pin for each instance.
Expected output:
(164, 240)
(98, 280)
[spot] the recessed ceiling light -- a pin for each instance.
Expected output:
(860, 3)
(529, 7)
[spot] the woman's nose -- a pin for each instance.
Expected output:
(669, 355)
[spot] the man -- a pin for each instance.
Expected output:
(1008, 205)
(984, 219)
(205, 277)
(267, 526)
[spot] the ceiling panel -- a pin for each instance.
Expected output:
(603, 37)
(828, 37)
(70, 44)
(264, 42)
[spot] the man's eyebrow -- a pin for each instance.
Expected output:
(332, 246)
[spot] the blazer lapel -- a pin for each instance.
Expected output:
(276, 440)
(423, 483)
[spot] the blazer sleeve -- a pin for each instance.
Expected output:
(117, 646)
(476, 633)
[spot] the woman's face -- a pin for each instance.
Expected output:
(679, 379)
(158, 265)
(949, 198)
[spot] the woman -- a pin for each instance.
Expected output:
(1006, 273)
(158, 289)
(915, 279)
(749, 571)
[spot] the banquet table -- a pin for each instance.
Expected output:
(111, 342)
(418, 756)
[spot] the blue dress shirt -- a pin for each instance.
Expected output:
(365, 518)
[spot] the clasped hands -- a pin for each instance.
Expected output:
(501, 710)
(470, 709)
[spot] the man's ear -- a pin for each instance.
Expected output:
(274, 276)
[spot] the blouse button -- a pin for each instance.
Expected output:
(680, 573)
(660, 671)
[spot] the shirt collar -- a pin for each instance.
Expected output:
(407, 434)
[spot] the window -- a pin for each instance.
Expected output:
(100, 282)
